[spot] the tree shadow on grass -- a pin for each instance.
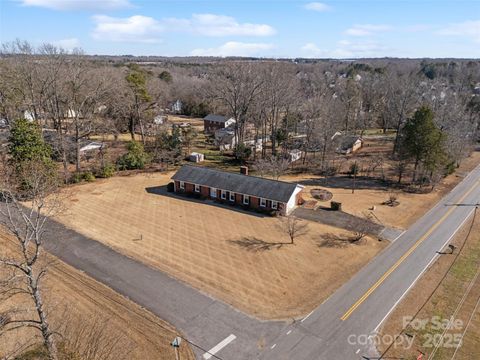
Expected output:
(346, 182)
(254, 244)
(337, 241)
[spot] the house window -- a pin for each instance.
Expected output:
(223, 194)
(197, 188)
(213, 192)
(182, 185)
(274, 205)
(246, 199)
(232, 196)
(263, 202)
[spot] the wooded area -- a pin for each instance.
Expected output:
(432, 107)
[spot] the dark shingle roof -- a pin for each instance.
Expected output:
(244, 184)
(213, 117)
(348, 141)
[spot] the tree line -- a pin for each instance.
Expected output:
(283, 105)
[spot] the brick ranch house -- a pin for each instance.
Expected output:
(238, 189)
(212, 122)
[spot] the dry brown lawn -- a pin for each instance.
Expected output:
(73, 295)
(197, 242)
(412, 206)
(197, 123)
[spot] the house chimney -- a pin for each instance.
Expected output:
(244, 170)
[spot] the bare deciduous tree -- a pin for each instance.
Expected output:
(362, 228)
(26, 266)
(236, 87)
(272, 166)
(92, 338)
(293, 226)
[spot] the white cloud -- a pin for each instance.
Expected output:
(78, 4)
(217, 25)
(136, 28)
(345, 49)
(317, 6)
(467, 29)
(147, 29)
(366, 29)
(234, 48)
(312, 50)
(67, 44)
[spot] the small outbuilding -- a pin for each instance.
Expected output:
(196, 157)
(294, 155)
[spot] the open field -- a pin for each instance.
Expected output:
(457, 295)
(197, 123)
(78, 297)
(371, 193)
(216, 249)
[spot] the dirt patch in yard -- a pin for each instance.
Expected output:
(371, 193)
(71, 294)
(200, 243)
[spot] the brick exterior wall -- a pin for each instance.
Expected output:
(299, 199)
(210, 127)
(205, 191)
(254, 201)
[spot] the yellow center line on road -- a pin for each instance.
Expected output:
(404, 256)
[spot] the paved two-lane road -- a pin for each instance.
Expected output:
(337, 329)
(356, 308)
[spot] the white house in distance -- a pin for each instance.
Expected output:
(29, 115)
(225, 140)
(70, 114)
(177, 107)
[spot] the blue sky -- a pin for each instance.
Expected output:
(270, 28)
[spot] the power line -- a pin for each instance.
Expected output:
(140, 314)
(436, 287)
(466, 327)
(460, 304)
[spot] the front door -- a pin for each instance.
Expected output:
(213, 192)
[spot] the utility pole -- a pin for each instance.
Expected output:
(355, 169)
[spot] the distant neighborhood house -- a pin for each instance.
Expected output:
(225, 140)
(238, 189)
(177, 107)
(349, 144)
(213, 122)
